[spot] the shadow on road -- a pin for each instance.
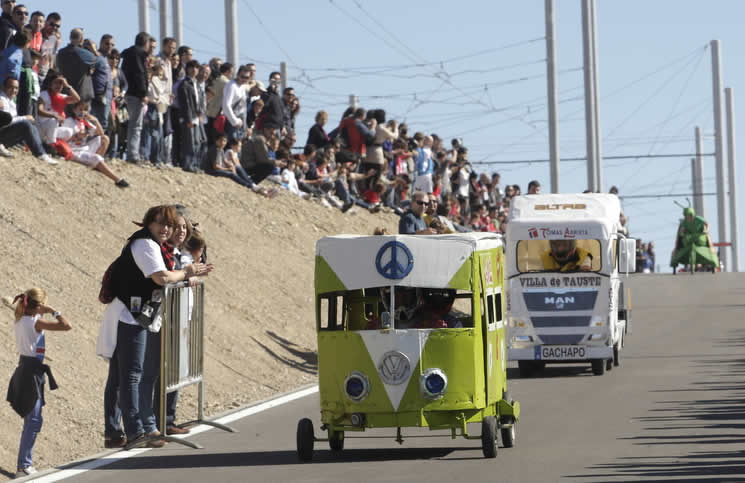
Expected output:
(279, 458)
(713, 415)
(553, 371)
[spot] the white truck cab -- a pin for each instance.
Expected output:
(564, 264)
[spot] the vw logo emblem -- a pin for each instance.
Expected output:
(398, 260)
(394, 368)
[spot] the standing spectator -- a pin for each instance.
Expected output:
(144, 266)
(651, 256)
(135, 71)
(21, 128)
(356, 135)
(160, 98)
(26, 389)
(375, 159)
(316, 134)
(272, 116)
(19, 17)
(106, 45)
(214, 105)
(74, 62)
(7, 27)
(28, 95)
(35, 25)
(12, 56)
(50, 44)
(185, 55)
(103, 84)
(235, 105)
(411, 222)
(424, 166)
(534, 188)
(169, 59)
(118, 121)
(189, 110)
(287, 95)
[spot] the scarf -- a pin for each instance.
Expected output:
(167, 250)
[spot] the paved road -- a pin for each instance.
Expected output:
(674, 410)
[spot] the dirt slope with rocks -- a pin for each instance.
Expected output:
(64, 224)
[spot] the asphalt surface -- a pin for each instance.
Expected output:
(674, 410)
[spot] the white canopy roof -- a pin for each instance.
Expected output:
(563, 216)
(431, 261)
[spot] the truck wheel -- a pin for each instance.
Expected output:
(489, 436)
(336, 440)
(305, 439)
(526, 368)
(509, 434)
(598, 367)
(609, 364)
(616, 355)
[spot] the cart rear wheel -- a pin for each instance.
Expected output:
(598, 367)
(305, 439)
(616, 355)
(509, 434)
(489, 437)
(336, 440)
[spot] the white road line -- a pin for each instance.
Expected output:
(229, 418)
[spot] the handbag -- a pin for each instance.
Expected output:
(219, 123)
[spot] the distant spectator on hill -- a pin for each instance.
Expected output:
(159, 98)
(50, 44)
(134, 67)
(374, 157)
(272, 117)
(316, 134)
(235, 105)
(75, 63)
(7, 26)
(344, 178)
(103, 84)
(189, 111)
(214, 104)
(52, 107)
(355, 135)
(106, 44)
(287, 119)
(221, 166)
(424, 166)
(34, 27)
(411, 222)
(18, 129)
(534, 188)
(12, 56)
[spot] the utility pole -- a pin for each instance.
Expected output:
(595, 103)
(719, 149)
(144, 15)
(163, 11)
(178, 20)
(553, 106)
(353, 101)
(283, 73)
(732, 177)
(589, 96)
(231, 32)
(698, 180)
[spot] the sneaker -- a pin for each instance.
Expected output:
(346, 207)
(177, 430)
(48, 159)
(22, 473)
(115, 442)
(4, 152)
(122, 183)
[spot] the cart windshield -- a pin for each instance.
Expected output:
(559, 256)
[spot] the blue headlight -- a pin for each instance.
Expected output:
(356, 386)
(433, 383)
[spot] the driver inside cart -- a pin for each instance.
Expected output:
(566, 256)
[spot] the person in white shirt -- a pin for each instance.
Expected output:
(31, 344)
(235, 105)
(21, 128)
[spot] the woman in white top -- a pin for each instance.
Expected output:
(31, 344)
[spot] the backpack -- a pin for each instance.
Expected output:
(107, 294)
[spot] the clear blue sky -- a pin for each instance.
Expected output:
(439, 66)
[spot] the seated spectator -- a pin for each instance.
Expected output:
(256, 107)
(12, 56)
(316, 134)
(344, 179)
(434, 220)
(255, 158)
(52, 104)
(18, 129)
(88, 142)
(223, 166)
(289, 181)
(411, 222)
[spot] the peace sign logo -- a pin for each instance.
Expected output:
(400, 261)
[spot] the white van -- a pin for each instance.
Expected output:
(566, 298)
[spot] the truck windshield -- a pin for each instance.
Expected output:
(559, 256)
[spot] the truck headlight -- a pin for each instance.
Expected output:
(356, 386)
(433, 383)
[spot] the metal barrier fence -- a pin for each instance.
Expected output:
(182, 351)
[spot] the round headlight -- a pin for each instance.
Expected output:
(356, 386)
(433, 383)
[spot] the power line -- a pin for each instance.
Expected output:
(632, 156)
(667, 195)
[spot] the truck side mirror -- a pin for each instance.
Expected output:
(627, 255)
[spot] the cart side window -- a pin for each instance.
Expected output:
(615, 253)
(333, 312)
(498, 306)
(559, 256)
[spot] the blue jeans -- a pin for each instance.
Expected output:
(25, 132)
(136, 110)
(150, 388)
(101, 108)
(31, 427)
(234, 132)
(112, 413)
(241, 177)
(189, 148)
(151, 144)
(130, 353)
(348, 198)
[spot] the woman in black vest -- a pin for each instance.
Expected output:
(146, 264)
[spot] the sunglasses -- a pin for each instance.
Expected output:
(55, 26)
(421, 203)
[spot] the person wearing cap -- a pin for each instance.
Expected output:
(566, 256)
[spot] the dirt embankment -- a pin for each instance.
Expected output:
(63, 225)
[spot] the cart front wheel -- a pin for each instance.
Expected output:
(509, 434)
(336, 440)
(305, 439)
(489, 437)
